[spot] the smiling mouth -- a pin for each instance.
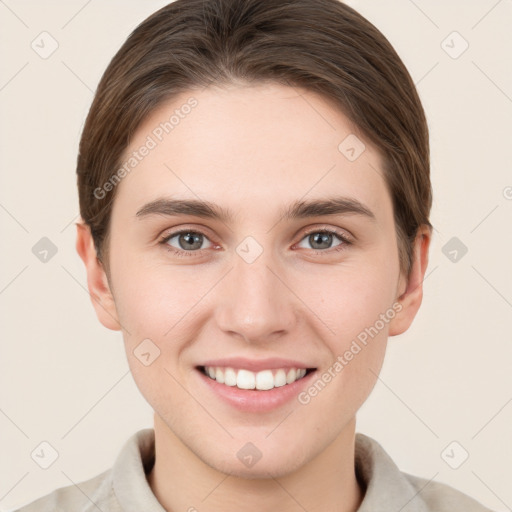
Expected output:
(262, 381)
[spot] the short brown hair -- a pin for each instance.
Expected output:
(319, 45)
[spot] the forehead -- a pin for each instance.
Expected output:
(251, 149)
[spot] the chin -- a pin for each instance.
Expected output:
(264, 468)
(256, 473)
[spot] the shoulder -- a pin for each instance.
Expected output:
(122, 486)
(388, 488)
(93, 494)
(441, 497)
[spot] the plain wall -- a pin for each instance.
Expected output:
(64, 377)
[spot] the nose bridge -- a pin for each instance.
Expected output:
(257, 304)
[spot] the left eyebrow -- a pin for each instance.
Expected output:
(338, 205)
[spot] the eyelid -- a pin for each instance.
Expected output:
(168, 234)
(342, 233)
(171, 232)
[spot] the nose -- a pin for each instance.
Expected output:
(256, 303)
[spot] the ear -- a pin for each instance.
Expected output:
(97, 282)
(410, 298)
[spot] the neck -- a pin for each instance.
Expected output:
(182, 481)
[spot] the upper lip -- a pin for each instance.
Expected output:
(256, 365)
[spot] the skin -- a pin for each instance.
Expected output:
(253, 150)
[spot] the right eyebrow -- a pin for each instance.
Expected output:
(194, 207)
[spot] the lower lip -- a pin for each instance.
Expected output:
(252, 400)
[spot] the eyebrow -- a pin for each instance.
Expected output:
(338, 205)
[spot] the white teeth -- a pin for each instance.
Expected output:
(263, 380)
(280, 378)
(291, 375)
(219, 375)
(230, 377)
(244, 380)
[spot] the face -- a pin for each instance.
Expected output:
(257, 282)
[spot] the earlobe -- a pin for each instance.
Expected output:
(97, 282)
(410, 299)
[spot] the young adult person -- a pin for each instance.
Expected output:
(254, 190)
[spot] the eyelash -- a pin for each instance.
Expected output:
(181, 253)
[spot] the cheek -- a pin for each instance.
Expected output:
(349, 299)
(154, 307)
(157, 307)
(357, 307)
(151, 299)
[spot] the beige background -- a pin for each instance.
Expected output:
(64, 377)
